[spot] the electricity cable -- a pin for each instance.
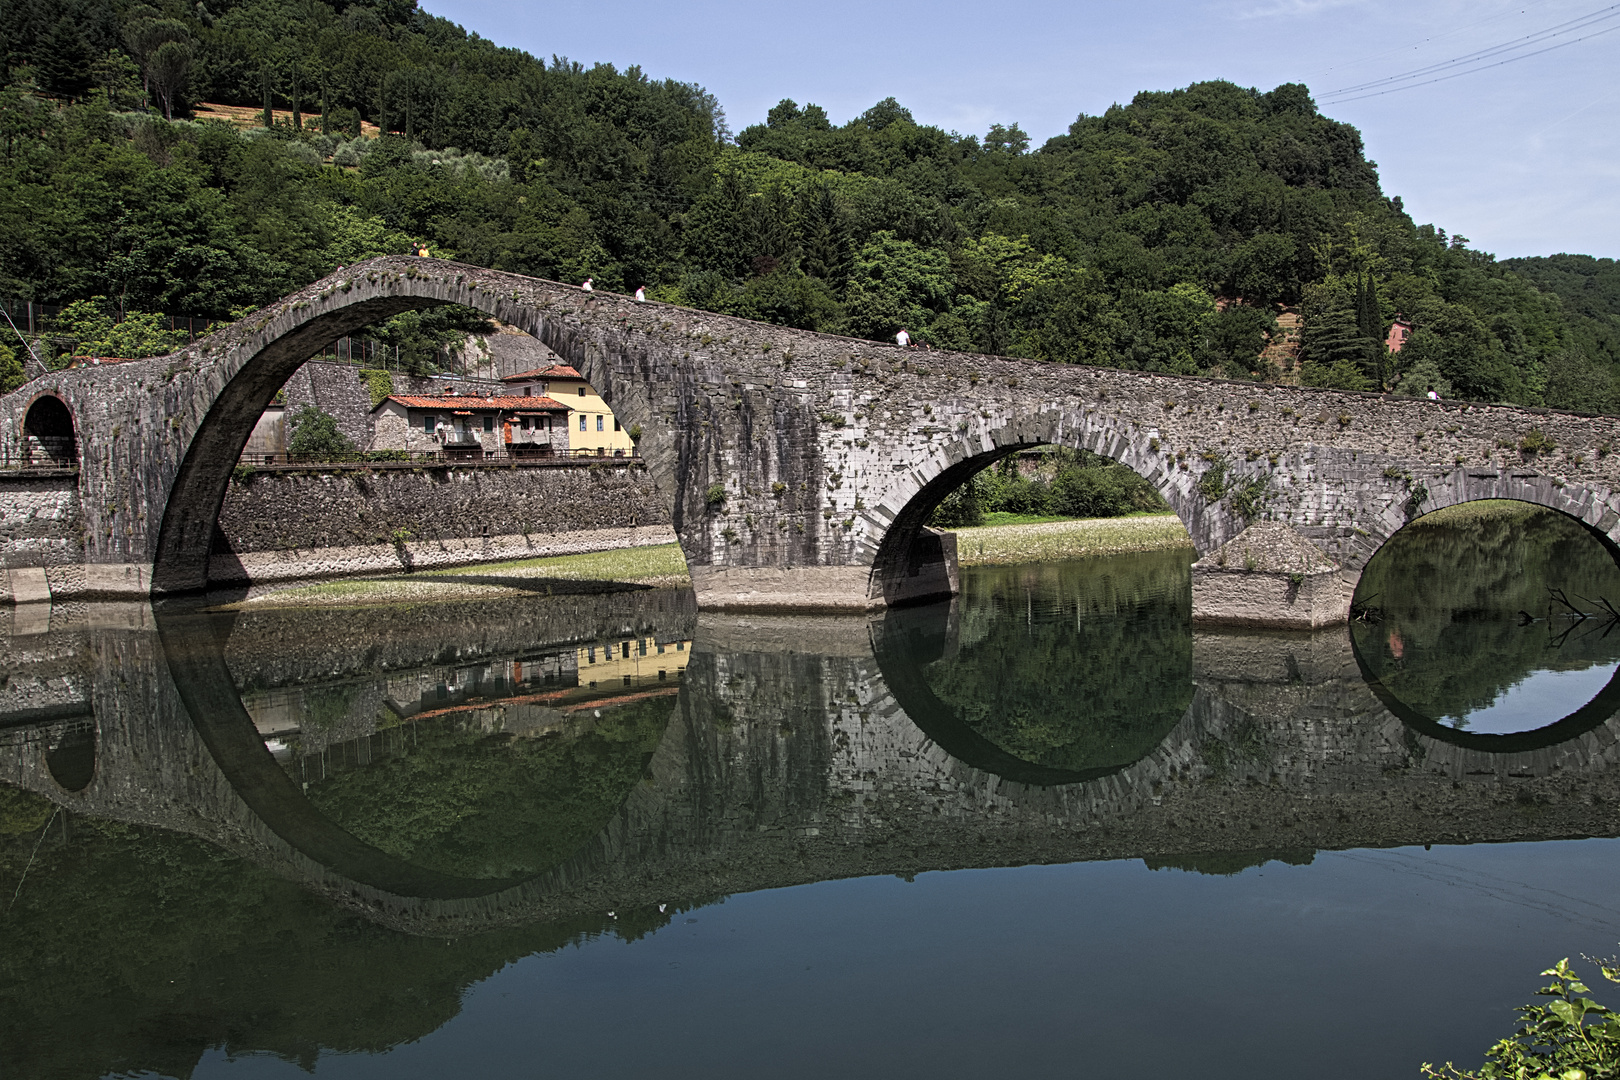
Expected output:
(1557, 30)
(1472, 62)
(1470, 71)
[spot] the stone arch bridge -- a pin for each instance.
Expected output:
(799, 468)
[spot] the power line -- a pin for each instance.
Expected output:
(1472, 61)
(1383, 54)
(1471, 71)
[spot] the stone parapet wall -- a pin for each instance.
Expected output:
(345, 508)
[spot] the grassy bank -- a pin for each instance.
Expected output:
(1048, 541)
(1483, 510)
(659, 566)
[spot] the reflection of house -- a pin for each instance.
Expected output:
(591, 424)
(534, 425)
(631, 662)
(1399, 331)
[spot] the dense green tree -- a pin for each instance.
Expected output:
(315, 433)
(1108, 244)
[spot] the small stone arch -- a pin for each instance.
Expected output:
(1572, 500)
(1603, 710)
(71, 755)
(48, 436)
(900, 518)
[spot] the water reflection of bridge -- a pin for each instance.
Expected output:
(795, 752)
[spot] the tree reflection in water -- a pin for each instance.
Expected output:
(1081, 666)
(1456, 615)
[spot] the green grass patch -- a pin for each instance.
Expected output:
(1481, 510)
(1069, 538)
(1006, 517)
(637, 564)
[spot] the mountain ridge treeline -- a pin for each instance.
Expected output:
(1162, 235)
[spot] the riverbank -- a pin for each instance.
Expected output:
(661, 566)
(1076, 538)
(655, 566)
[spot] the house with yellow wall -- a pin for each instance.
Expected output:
(592, 427)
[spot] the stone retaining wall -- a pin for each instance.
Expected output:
(288, 525)
(304, 509)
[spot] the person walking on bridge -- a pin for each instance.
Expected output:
(903, 339)
(587, 285)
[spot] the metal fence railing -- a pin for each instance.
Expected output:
(450, 454)
(12, 461)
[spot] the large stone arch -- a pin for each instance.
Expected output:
(249, 375)
(792, 462)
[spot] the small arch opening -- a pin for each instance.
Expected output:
(48, 437)
(71, 756)
(1493, 623)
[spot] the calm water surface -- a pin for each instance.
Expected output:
(1047, 829)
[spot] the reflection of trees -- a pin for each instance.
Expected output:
(132, 950)
(461, 800)
(1447, 592)
(1077, 665)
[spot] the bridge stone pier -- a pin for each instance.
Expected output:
(799, 468)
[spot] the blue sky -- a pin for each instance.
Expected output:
(1522, 158)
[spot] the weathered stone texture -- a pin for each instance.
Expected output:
(40, 522)
(336, 390)
(341, 508)
(796, 452)
(1269, 576)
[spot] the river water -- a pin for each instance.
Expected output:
(1046, 829)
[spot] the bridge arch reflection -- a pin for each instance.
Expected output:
(1463, 610)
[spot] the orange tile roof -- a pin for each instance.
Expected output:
(453, 402)
(555, 371)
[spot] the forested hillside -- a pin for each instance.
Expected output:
(1163, 235)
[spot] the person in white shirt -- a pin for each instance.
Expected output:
(1432, 395)
(903, 339)
(641, 294)
(587, 285)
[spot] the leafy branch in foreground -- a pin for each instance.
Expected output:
(1570, 1037)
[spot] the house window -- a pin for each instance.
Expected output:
(615, 423)
(427, 423)
(582, 421)
(489, 423)
(599, 422)
(582, 391)
(523, 424)
(526, 390)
